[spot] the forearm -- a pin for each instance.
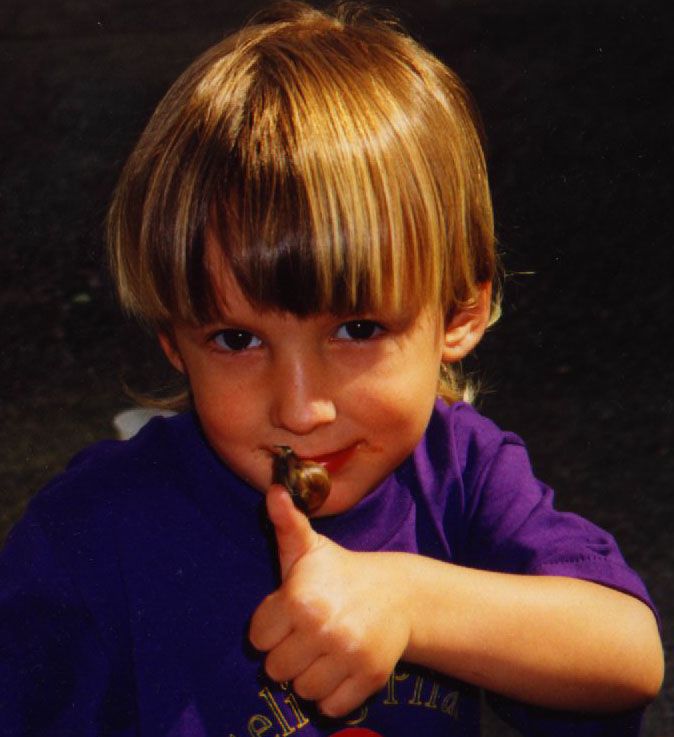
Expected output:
(552, 641)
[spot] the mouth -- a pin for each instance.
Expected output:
(332, 462)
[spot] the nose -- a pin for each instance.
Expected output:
(302, 400)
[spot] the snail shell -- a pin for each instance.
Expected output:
(308, 483)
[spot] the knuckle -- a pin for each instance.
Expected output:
(256, 638)
(312, 611)
(330, 709)
(302, 689)
(373, 673)
(274, 668)
(305, 689)
(260, 638)
(338, 706)
(259, 625)
(377, 679)
(347, 639)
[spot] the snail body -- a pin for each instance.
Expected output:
(307, 482)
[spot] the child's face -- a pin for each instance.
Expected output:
(352, 393)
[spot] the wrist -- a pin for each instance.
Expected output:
(422, 606)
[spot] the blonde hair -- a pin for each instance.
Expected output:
(337, 162)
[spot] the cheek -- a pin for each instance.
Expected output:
(408, 388)
(410, 404)
(225, 418)
(398, 411)
(235, 437)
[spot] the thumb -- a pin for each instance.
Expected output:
(294, 535)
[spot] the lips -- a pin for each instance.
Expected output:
(332, 462)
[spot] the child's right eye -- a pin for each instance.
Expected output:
(234, 339)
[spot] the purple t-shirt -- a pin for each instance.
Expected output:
(127, 588)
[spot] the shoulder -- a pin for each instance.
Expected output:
(94, 523)
(454, 458)
(102, 481)
(463, 420)
(466, 466)
(459, 437)
(159, 439)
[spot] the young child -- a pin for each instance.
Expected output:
(306, 225)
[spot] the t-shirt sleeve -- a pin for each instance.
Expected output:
(55, 675)
(513, 527)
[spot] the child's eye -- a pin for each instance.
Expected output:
(234, 339)
(359, 330)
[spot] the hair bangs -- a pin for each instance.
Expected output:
(289, 269)
(334, 205)
(335, 164)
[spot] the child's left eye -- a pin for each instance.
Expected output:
(235, 339)
(359, 330)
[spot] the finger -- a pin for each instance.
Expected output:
(348, 696)
(269, 624)
(320, 679)
(294, 535)
(291, 657)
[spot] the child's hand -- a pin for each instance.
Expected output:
(336, 627)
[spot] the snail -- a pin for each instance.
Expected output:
(307, 482)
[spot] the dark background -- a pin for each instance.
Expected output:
(576, 99)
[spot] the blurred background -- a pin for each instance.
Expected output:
(576, 101)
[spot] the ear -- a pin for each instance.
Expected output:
(170, 348)
(466, 327)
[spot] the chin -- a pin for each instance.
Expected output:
(337, 503)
